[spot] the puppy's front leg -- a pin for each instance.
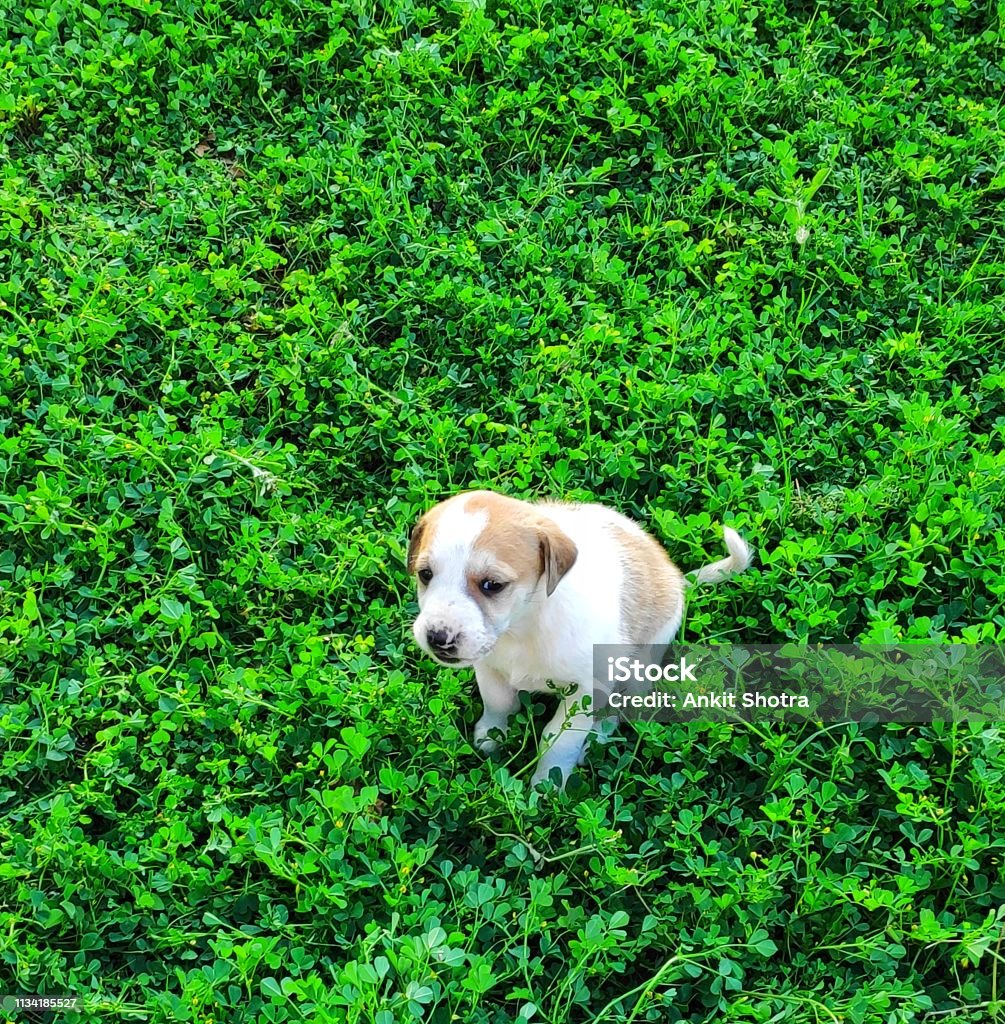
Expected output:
(500, 701)
(564, 737)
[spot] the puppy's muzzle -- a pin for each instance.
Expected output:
(442, 645)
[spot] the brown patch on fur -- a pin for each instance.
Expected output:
(529, 543)
(652, 587)
(558, 553)
(421, 535)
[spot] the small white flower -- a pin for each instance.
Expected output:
(266, 481)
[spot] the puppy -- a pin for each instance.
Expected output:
(523, 591)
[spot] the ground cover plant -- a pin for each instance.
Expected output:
(278, 276)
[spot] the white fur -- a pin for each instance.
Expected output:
(543, 642)
(445, 601)
(739, 559)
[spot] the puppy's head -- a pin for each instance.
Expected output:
(481, 560)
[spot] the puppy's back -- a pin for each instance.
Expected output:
(649, 586)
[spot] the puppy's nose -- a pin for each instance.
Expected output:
(439, 639)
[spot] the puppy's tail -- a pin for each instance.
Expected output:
(739, 558)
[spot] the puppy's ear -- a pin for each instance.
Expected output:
(558, 555)
(413, 545)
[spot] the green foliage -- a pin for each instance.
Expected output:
(278, 276)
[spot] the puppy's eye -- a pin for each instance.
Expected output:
(425, 575)
(490, 586)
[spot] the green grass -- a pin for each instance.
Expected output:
(274, 278)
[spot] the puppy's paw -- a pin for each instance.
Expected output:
(484, 743)
(486, 746)
(549, 778)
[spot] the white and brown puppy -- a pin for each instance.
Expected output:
(523, 591)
